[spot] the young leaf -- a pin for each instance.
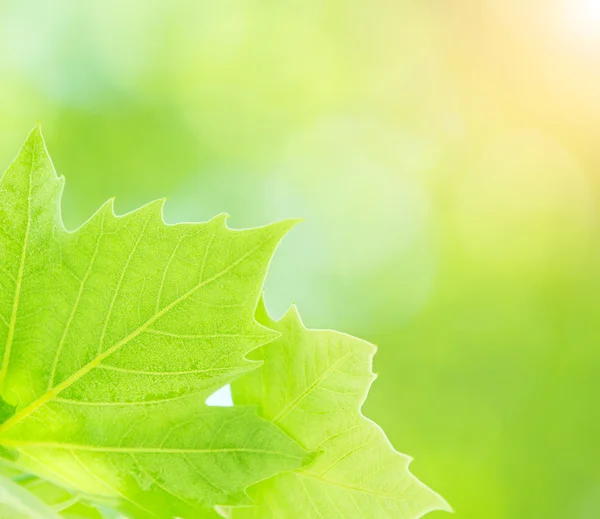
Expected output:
(112, 336)
(312, 385)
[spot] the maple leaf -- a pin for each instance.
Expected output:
(312, 384)
(111, 338)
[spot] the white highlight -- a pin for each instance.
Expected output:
(582, 19)
(221, 398)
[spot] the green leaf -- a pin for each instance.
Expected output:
(113, 335)
(312, 385)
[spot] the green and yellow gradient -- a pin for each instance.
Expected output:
(446, 157)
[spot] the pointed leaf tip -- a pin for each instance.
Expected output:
(135, 301)
(313, 385)
(293, 316)
(35, 135)
(220, 220)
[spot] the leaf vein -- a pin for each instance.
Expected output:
(50, 395)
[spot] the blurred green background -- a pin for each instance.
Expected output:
(446, 157)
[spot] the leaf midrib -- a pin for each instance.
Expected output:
(309, 389)
(381, 495)
(139, 450)
(19, 281)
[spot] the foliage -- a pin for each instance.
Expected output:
(312, 385)
(115, 333)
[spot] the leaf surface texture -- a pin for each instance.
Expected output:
(111, 338)
(312, 385)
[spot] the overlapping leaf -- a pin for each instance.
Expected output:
(111, 337)
(17, 502)
(24, 496)
(312, 385)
